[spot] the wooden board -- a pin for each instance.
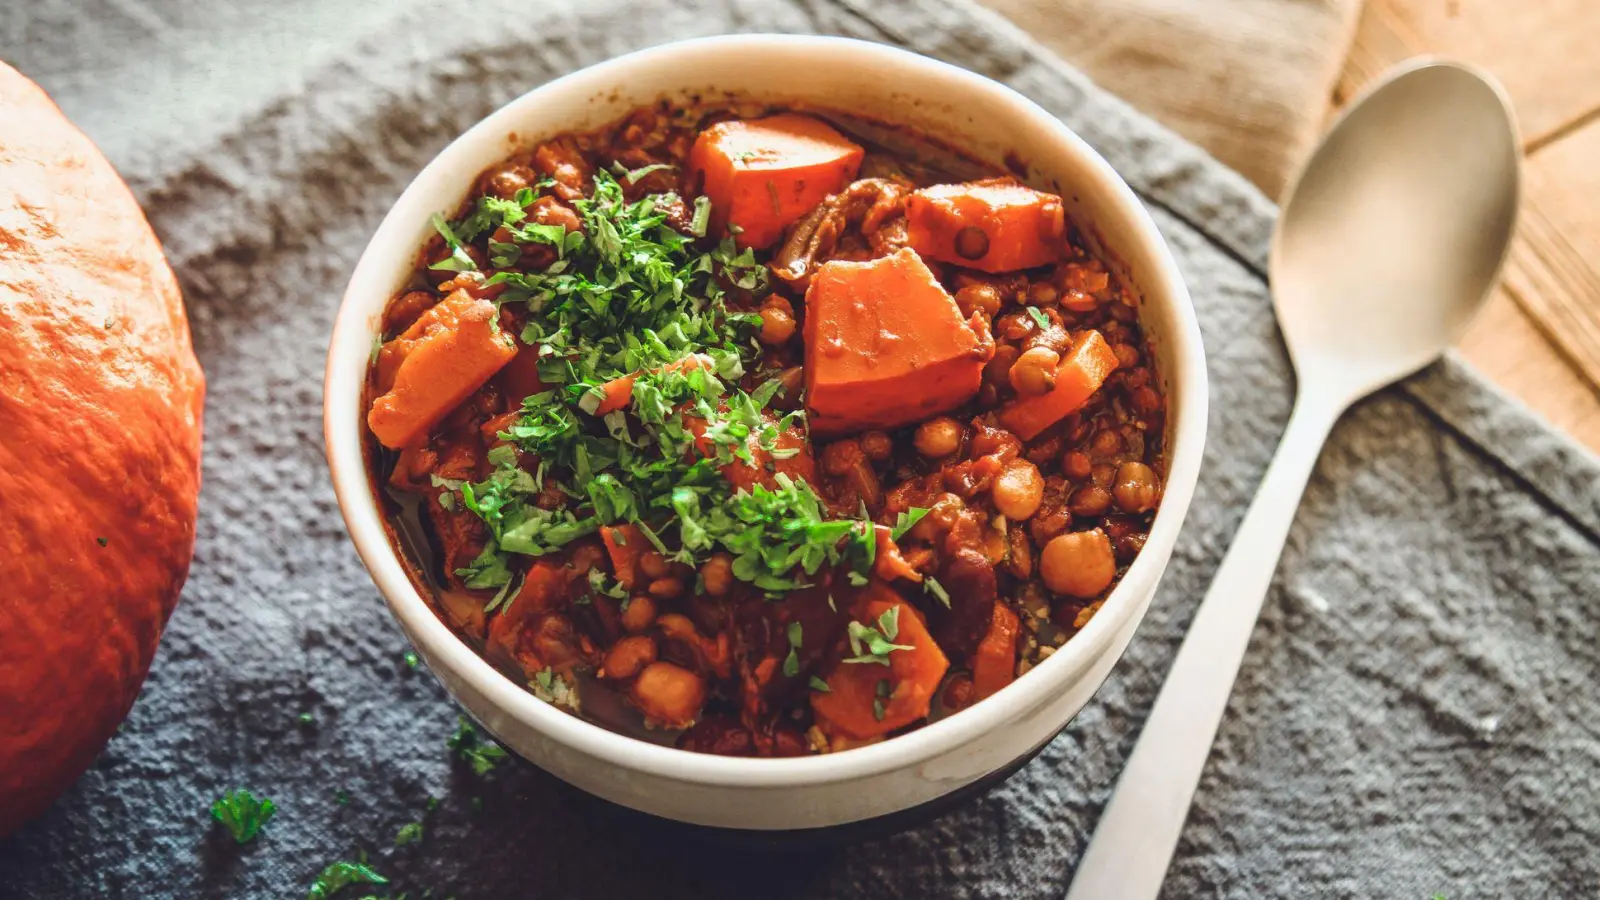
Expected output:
(1540, 337)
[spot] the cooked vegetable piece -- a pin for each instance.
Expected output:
(996, 225)
(855, 704)
(448, 353)
(625, 544)
(520, 377)
(885, 345)
(995, 664)
(619, 391)
(1085, 368)
(764, 174)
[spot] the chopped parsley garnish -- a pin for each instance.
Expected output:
(906, 521)
(1039, 318)
(102, 541)
(341, 797)
(631, 297)
(874, 643)
(482, 755)
(411, 659)
(881, 691)
(817, 684)
(306, 718)
(408, 834)
(242, 814)
(340, 875)
(791, 663)
(932, 586)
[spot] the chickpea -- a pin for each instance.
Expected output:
(938, 437)
(1035, 372)
(654, 565)
(972, 243)
(1106, 443)
(1078, 301)
(640, 613)
(1127, 356)
(1018, 490)
(777, 325)
(943, 513)
(666, 588)
(1089, 500)
(628, 656)
(1076, 466)
(979, 297)
(998, 370)
(1137, 487)
(717, 574)
(668, 694)
(876, 445)
(1042, 293)
(1078, 564)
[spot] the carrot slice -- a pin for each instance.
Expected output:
(994, 665)
(448, 353)
(619, 391)
(625, 544)
(886, 345)
(764, 174)
(996, 225)
(1078, 376)
(854, 700)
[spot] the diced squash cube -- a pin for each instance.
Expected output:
(1086, 367)
(885, 345)
(995, 225)
(764, 174)
(448, 353)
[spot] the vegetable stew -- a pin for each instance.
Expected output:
(739, 431)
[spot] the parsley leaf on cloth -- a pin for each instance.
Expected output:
(242, 814)
(340, 875)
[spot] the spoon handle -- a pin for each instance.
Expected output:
(1132, 846)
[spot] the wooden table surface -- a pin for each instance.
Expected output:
(1540, 337)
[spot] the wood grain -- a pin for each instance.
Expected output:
(1544, 51)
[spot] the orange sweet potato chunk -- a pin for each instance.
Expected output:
(1087, 366)
(763, 174)
(885, 345)
(448, 353)
(995, 225)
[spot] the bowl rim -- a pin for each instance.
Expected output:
(351, 344)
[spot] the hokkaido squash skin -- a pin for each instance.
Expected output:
(100, 411)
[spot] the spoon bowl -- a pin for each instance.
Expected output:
(1397, 228)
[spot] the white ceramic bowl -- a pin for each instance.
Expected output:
(970, 112)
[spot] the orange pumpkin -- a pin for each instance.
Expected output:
(100, 403)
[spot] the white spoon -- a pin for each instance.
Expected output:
(1386, 247)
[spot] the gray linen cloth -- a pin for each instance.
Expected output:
(1417, 715)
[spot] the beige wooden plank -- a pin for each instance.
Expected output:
(1543, 50)
(1510, 351)
(1566, 174)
